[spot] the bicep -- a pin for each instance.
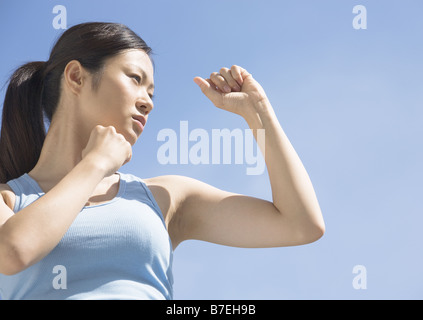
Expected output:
(226, 218)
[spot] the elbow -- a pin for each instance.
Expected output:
(12, 259)
(314, 231)
(11, 266)
(9, 269)
(309, 232)
(314, 225)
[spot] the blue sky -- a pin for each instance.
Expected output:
(351, 102)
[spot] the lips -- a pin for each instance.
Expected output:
(140, 120)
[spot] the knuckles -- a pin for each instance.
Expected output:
(109, 131)
(234, 69)
(224, 70)
(214, 75)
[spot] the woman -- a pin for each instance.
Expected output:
(73, 227)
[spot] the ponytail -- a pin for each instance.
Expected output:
(22, 132)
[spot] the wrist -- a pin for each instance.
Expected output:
(93, 166)
(257, 113)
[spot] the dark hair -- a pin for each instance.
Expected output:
(34, 89)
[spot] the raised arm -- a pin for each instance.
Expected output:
(206, 213)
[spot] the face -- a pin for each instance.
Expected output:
(123, 98)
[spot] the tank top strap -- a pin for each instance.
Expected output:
(26, 191)
(138, 189)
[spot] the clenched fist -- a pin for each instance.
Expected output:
(108, 149)
(233, 89)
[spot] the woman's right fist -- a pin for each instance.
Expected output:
(108, 149)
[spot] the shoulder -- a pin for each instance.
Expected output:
(7, 195)
(172, 185)
(170, 181)
(175, 195)
(178, 187)
(169, 190)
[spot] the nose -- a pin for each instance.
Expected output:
(144, 106)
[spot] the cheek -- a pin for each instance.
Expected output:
(114, 97)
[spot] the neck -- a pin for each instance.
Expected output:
(61, 152)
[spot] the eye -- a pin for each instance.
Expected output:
(137, 78)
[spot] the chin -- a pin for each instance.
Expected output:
(129, 133)
(133, 137)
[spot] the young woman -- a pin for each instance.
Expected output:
(73, 227)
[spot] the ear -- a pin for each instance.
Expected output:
(74, 76)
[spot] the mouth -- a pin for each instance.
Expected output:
(140, 121)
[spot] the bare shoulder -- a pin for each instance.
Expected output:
(173, 181)
(171, 193)
(169, 179)
(176, 188)
(163, 189)
(7, 195)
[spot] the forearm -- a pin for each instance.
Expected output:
(293, 194)
(33, 232)
(292, 191)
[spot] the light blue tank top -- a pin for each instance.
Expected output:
(115, 250)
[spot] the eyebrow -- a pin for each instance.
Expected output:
(143, 74)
